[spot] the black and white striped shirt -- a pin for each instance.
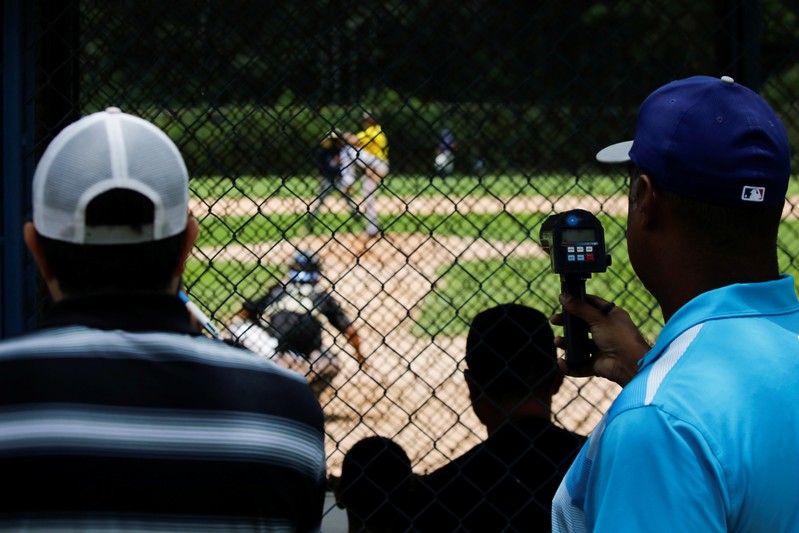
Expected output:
(116, 417)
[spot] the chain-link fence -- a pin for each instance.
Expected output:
(523, 92)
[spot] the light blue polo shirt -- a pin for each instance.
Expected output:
(706, 436)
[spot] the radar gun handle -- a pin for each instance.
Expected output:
(575, 330)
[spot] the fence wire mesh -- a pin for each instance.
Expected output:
(527, 91)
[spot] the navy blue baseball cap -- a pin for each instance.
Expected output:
(712, 140)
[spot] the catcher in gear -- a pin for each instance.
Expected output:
(286, 324)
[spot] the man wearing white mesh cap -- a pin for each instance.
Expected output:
(117, 414)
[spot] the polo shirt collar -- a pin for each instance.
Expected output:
(737, 300)
(129, 312)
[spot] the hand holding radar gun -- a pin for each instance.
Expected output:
(575, 242)
(201, 317)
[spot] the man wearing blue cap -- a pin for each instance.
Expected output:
(698, 439)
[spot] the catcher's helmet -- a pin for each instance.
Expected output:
(305, 268)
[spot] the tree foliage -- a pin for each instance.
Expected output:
(531, 85)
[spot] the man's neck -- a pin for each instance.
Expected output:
(506, 412)
(697, 275)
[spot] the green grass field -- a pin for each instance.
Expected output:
(409, 186)
(500, 226)
(466, 288)
(461, 289)
(221, 285)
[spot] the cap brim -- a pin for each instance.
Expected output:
(615, 153)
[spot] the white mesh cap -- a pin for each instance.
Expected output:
(104, 151)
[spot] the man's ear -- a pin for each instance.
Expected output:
(190, 237)
(644, 201)
(480, 404)
(34, 244)
(557, 381)
(473, 389)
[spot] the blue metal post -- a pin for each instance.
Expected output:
(17, 136)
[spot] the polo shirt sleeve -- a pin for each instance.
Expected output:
(654, 472)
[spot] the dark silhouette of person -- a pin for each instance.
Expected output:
(505, 483)
(375, 486)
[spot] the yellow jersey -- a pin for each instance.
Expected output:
(374, 141)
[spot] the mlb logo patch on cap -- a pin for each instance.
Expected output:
(753, 194)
